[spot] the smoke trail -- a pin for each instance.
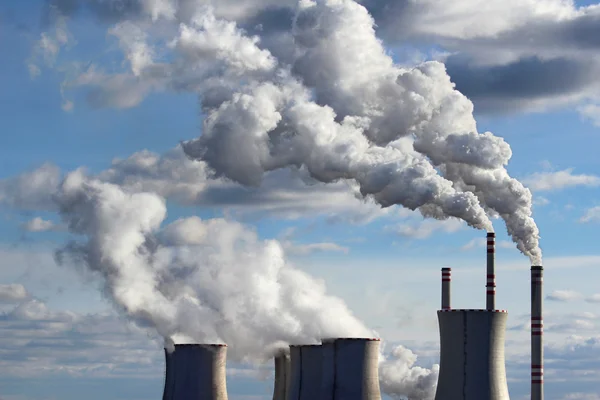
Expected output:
(196, 280)
(362, 105)
(406, 136)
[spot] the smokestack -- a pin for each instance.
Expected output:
(491, 272)
(282, 375)
(306, 364)
(537, 332)
(472, 365)
(356, 369)
(446, 278)
(196, 372)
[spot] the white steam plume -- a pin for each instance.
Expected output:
(400, 378)
(339, 107)
(219, 284)
(348, 122)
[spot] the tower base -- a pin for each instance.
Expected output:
(472, 365)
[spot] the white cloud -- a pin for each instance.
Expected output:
(591, 215)
(547, 181)
(12, 293)
(427, 227)
(595, 298)
(540, 201)
(286, 194)
(581, 396)
(482, 242)
(591, 112)
(38, 224)
(305, 249)
(563, 295)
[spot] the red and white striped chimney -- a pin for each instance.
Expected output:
(446, 288)
(537, 332)
(490, 286)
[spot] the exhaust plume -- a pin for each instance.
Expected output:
(345, 111)
(222, 284)
(336, 105)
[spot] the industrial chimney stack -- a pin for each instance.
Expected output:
(491, 272)
(446, 279)
(472, 365)
(196, 372)
(537, 332)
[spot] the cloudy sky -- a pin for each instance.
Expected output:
(267, 171)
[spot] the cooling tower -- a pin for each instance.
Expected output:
(356, 370)
(169, 376)
(196, 372)
(472, 355)
(306, 362)
(282, 376)
(537, 332)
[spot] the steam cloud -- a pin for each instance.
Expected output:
(208, 281)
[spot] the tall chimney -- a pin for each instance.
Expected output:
(196, 372)
(446, 278)
(356, 369)
(491, 272)
(306, 364)
(537, 332)
(282, 375)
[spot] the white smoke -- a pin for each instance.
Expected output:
(196, 280)
(342, 112)
(400, 378)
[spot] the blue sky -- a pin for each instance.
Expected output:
(387, 274)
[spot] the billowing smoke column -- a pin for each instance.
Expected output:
(339, 369)
(347, 112)
(537, 332)
(282, 375)
(196, 372)
(491, 272)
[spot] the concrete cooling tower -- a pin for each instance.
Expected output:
(282, 376)
(196, 372)
(472, 365)
(339, 369)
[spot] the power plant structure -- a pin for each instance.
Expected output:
(281, 384)
(196, 372)
(472, 360)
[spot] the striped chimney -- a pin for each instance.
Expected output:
(446, 278)
(491, 272)
(537, 332)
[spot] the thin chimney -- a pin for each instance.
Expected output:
(537, 332)
(446, 278)
(491, 272)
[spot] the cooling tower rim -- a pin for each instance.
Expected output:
(474, 310)
(200, 345)
(305, 345)
(347, 339)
